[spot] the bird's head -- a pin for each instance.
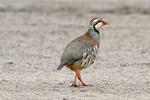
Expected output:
(97, 23)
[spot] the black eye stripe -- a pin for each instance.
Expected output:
(96, 23)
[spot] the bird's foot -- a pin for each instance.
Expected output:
(87, 84)
(83, 84)
(74, 85)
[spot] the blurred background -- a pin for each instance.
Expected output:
(78, 6)
(26, 9)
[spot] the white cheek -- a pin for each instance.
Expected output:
(98, 26)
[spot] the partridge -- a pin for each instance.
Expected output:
(81, 52)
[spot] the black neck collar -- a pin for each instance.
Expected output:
(95, 28)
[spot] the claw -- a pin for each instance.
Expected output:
(87, 85)
(74, 85)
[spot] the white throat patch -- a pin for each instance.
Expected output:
(98, 26)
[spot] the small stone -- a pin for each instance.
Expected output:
(60, 83)
(64, 98)
(9, 63)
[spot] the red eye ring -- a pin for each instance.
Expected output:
(100, 21)
(105, 23)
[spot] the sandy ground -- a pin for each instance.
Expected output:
(33, 34)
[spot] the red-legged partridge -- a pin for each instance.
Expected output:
(81, 52)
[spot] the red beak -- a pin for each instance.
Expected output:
(105, 23)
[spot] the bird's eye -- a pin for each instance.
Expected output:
(99, 21)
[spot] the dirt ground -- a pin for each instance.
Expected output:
(33, 34)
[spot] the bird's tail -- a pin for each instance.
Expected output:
(61, 66)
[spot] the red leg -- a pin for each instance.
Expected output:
(75, 78)
(79, 77)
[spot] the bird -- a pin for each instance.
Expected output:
(81, 52)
